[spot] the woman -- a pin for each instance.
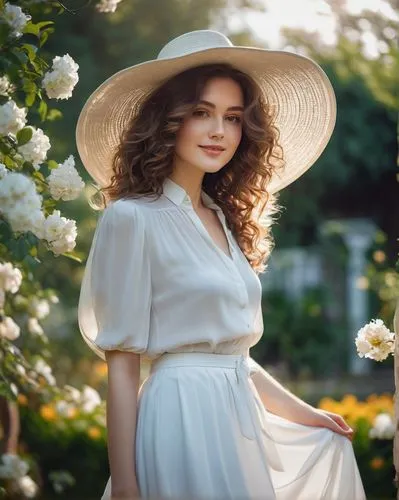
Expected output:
(189, 151)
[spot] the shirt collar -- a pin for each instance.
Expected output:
(178, 195)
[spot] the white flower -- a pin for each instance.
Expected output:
(60, 233)
(375, 341)
(383, 427)
(20, 369)
(62, 78)
(5, 86)
(44, 369)
(72, 393)
(14, 16)
(28, 487)
(63, 408)
(14, 389)
(35, 151)
(10, 277)
(12, 467)
(9, 329)
(3, 170)
(39, 308)
(12, 118)
(65, 181)
(107, 5)
(34, 327)
(20, 202)
(90, 399)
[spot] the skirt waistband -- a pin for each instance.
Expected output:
(237, 362)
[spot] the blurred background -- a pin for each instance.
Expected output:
(333, 267)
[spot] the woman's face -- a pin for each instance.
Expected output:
(210, 135)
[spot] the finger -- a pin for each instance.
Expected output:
(340, 421)
(339, 430)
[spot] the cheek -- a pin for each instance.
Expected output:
(236, 136)
(188, 134)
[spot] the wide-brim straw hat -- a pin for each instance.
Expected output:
(296, 88)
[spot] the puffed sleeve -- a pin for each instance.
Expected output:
(115, 296)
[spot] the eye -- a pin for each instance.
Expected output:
(234, 118)
(201, 113)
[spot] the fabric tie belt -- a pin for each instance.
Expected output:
(246, 404)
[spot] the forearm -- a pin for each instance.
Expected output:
(123, 384)
(277, 399)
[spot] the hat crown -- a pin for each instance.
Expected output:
(194, 41)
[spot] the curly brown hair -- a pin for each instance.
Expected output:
(144, 157)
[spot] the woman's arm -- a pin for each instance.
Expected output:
(277, 399)
(123, 386)
(283, 403)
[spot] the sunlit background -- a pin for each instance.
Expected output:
(333, 268)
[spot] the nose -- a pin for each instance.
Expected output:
(217, 129)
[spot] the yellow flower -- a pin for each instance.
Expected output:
(100, 369)
(94, 432)
(71, 413)
(377, 463)
(379, 256)
(22, 399)
(48, 412)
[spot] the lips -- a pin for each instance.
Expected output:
(213, 148)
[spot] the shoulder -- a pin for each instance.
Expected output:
(123, 214)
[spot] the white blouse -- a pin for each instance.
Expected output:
(155, 281)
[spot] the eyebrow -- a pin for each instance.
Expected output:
(211, 105)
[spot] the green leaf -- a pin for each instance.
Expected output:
(8, 161)
(38, 175)
(20, 55)
(52, 164)
(73, 256)
(43, 110)
(29, 86)
(24, 136)
(54, 114)
(4, 147)
(30, 50)
(31, 262)
(30, 99)
(5, 31)
(43, 24)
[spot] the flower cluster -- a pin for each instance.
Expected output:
(65, 182)
(107, 5)
(15, 18)
(354, 410)
(375, 341)
(82, 411)
(10, 281)
(19, 202)
(6, 88)
(44, 370)
(35, 150)
(383, 427)
(15, 469)
(60, 81)
(22, 206)
(12, 118)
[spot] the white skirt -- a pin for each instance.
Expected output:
(203, 434)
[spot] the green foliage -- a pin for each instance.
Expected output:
(297, 333)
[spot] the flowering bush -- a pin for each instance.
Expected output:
(373, 425)
(31, 226)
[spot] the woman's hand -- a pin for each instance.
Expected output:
(330, 420)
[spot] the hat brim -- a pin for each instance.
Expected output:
(296, 88)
